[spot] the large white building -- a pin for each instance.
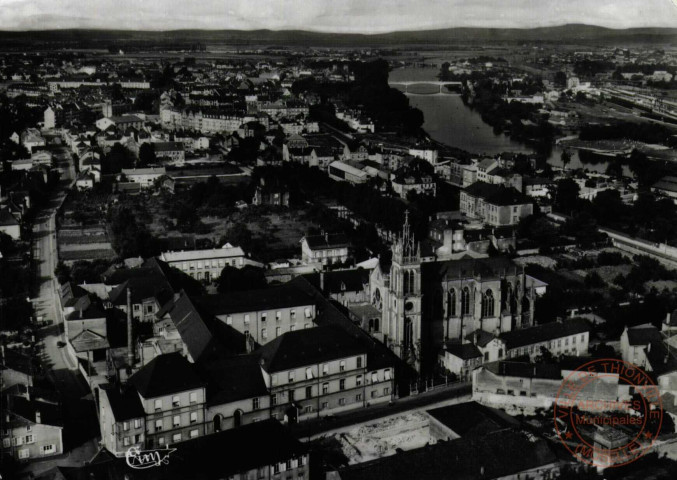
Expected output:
(205, 264)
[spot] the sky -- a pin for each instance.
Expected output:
(354, 16)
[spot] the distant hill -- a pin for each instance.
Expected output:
(573, 33)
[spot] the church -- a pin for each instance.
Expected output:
(425, 302)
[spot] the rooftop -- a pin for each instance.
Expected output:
(164, 375)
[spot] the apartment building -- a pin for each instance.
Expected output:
(326, 248)
(205, 264)
(263, 315)
(495, 205)
(319, 372)
(172, 396)
(31, 428)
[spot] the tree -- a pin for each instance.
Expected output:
(565, 158)
(566, 194)
(560, 79)
(147, 155)
(593, 280)
(62, 272)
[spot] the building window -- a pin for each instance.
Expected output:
(47, 449)
(373, 394)
(264, 316)
(309, 392)
(359, 362)
(176, 437)
(342, 384)
(358, 397)
(175, 401)
(158, 425)
(193, 397)
(308, 313)
(278, 315)
(246, 318)
(194, 433)
(308, 409)
(325, 369)
(278, 331)
(342, 401)
(292, 313)
(137, 423)
(193, 417)
(273, 399)
(137, 308)
(292, 328)
(264, 334)
(386, 391)
(291, 395)
(29, 439)
(177, 421)
(125, 426)
(255, 403)
(374, 377)
(125, 441)
(342, 366)
(291, 376)
(24, 453)
(465, 301)
(229, 320)
(325, 388)
(158, 404)
(488, 304)
(309, 373)
(358, 380)
(325, 405)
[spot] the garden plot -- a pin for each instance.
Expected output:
(87, 243)
(384, 437)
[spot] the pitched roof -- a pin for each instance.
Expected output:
(164, 375)
(333, 240)
(192, 327)
(497, 194)
(480, 337)
(464, 351)
(643, 335)
(23, 411)
(469, 267)
(309, 346)
(6, 218)
(340, 280)
(125, 404)
(284, 296)
(545, 332)
(233, 379)
(525, 370)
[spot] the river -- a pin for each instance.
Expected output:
(449, 121)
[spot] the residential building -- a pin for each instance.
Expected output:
(262, 315)
(172, 396)
(170, 151)
(32, 428)
(460, 359)
(321, 371)
(205, 264)
(495, 205)
(9, 225)
(326, 248)
(122, 419)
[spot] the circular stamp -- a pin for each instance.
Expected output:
(608, 412)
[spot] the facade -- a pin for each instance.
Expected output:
(145, 177)
(344, 172)
(172, 396)
(263, 315)
(170, 151)
(321, 371)
(122, 419)
(460, 359)
(327, 248)
(205, 264)
(425, 303)
(31, 429)
(495, 205)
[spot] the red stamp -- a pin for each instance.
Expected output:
(608, 413)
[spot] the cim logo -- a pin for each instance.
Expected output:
(141, 459)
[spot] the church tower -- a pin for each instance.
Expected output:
(404, 294)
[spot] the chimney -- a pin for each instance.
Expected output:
(130, 343)
(322, 281)
(38, 417)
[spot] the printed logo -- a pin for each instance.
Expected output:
(608, 413)
(140, 459)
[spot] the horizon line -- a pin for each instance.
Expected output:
(333, 32)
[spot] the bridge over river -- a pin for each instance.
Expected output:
(439, 84)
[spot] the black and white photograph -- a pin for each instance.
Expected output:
(338, 240)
